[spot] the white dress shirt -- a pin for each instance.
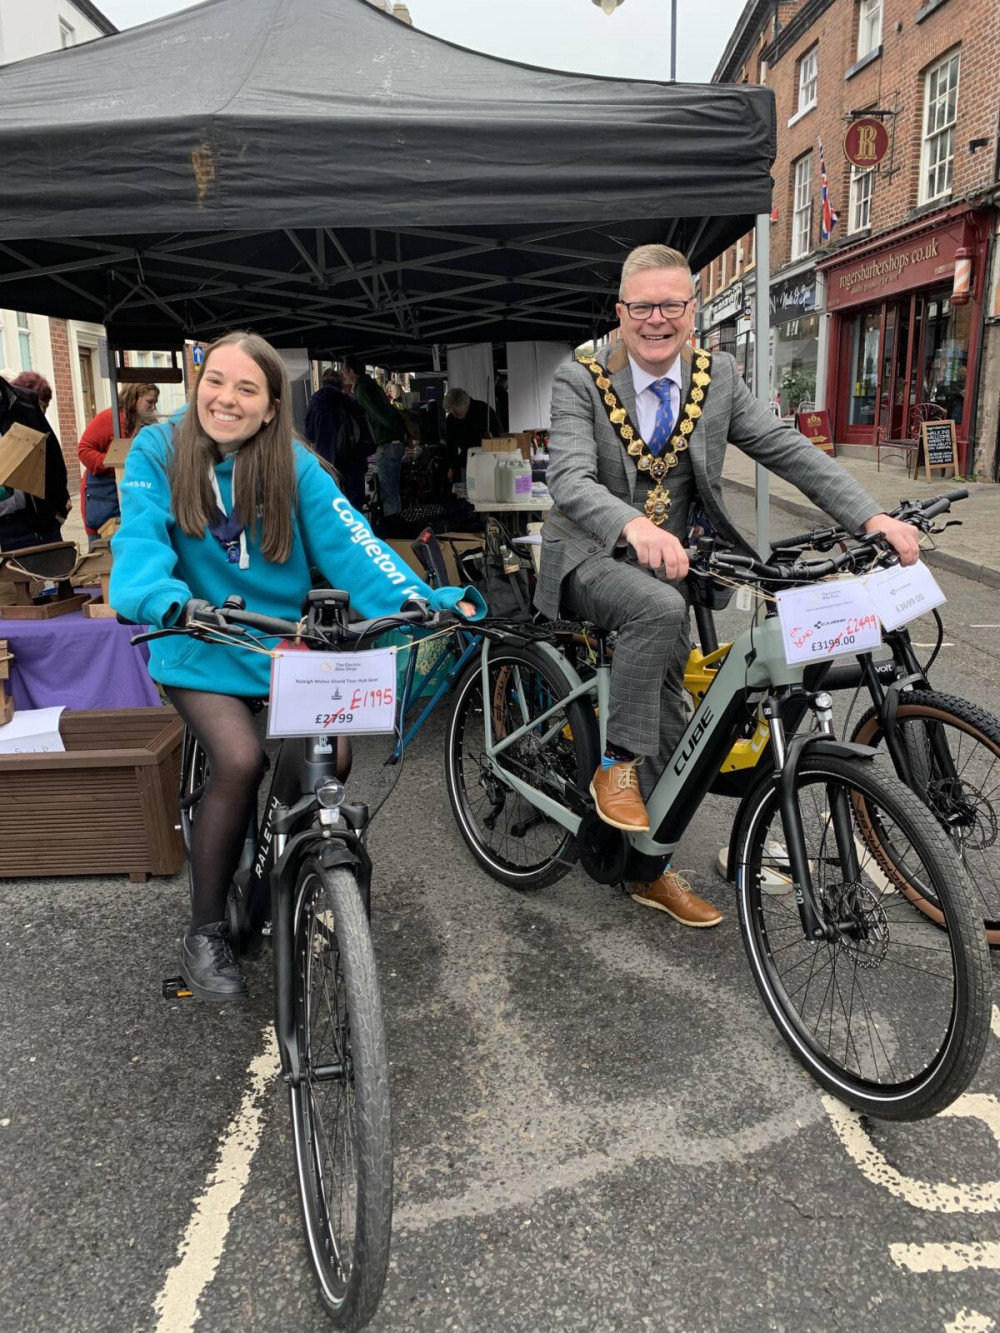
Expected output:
(646, 401)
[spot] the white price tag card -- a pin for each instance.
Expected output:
(316, 694)
(902, 594)
(828, 620)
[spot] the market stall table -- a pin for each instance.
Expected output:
(77, 662)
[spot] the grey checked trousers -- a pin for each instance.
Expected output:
(648, 708)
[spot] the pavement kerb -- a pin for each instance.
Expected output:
(968, 569)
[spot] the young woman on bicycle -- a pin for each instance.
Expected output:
(223, 500)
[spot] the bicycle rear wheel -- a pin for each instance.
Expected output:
(510, 838)
(341, 1122)
(954, 753)
(892, 1014)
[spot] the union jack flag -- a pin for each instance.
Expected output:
(828, 218)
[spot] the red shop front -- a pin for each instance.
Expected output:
(902, 334)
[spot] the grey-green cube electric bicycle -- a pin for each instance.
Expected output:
(886, 1010)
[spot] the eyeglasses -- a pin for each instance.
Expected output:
(668, 309)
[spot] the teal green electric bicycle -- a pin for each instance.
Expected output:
(887, 1011)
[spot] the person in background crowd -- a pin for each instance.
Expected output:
(338, 430)
(188, 484)
(502, 399)
(468, 423)
(25, 519)
(387, 427)
(98, 492)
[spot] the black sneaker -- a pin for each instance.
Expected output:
(208, 966)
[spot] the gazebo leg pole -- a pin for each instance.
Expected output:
(761, 365)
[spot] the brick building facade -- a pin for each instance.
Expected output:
(868, 322)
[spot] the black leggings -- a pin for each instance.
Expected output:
(223, 725)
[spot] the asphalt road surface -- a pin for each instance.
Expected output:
(597, 1126)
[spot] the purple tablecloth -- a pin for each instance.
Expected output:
(77, 662)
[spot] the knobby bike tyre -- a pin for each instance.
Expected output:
(341, 1118)
(509, 838)
(900, 1032)
(968, 809)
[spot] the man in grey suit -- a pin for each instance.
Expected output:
(637, 442)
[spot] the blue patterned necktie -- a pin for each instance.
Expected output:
(664, 422)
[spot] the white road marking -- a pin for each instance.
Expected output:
(970, 1321)
(201, 1246)
(929, 645)
(995, 1021)
(984, 627)
(950, 1258)
(931, 1196)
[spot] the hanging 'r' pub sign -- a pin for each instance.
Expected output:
(866, 142)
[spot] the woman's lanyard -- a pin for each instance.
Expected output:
(228, 529)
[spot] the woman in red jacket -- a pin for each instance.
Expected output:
(98, 493)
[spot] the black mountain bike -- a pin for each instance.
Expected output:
(305, 880)
(945, 748)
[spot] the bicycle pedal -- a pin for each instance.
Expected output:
(175, 988)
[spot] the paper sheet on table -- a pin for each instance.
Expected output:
(32, 731)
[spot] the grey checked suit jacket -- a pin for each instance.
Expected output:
(591, 476)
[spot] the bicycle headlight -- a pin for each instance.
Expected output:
(330, 793)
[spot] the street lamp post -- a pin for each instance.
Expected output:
(609, 7)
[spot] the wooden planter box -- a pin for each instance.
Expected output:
(106, 806)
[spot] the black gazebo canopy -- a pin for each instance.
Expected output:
(332, 178)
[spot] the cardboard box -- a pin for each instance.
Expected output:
(117, 452)
(22, 460)
(502, 444)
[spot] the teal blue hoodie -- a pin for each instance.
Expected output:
(158, 567)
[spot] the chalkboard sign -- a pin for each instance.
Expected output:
(937, 447)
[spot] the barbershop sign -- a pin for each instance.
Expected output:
(726, 306)
(875, 275)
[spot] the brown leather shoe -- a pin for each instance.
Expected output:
(616, 794)
(672, 893)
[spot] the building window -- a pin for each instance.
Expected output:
(802, 215)
(808, 79)
(869, 27)
(940, 114)
(24, 339)
(862, 180)
(67, 34)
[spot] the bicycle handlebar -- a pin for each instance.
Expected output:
(923, 510)
(234, 622)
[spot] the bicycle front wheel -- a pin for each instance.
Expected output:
(341, 1120)
(953, 749)
(511, 838)
(887, 1012)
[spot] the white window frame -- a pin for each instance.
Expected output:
(808, 80)
(860, 209)
(869, 27)
(67, 34)
(23, 339)
(802, 207)
(937, 151)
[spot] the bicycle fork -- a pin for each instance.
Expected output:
(787, 754)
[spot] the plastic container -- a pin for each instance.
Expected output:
(480, 475)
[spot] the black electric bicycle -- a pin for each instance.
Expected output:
(945, 748)
(887, 1012)
(305, 880)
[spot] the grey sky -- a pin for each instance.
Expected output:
(562, 34)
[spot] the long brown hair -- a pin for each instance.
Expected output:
(128, 407)
(264, 487)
